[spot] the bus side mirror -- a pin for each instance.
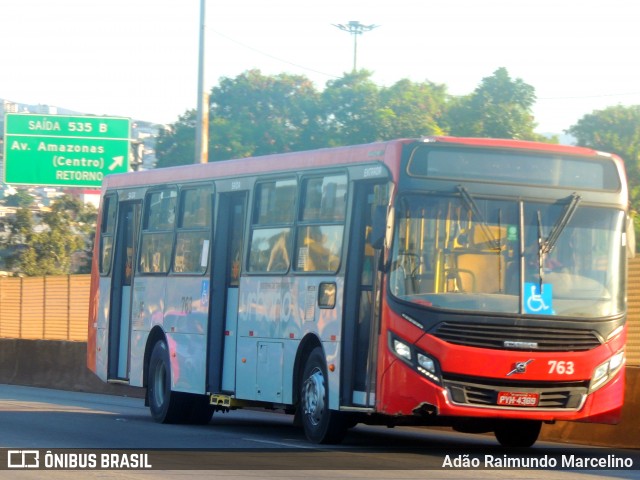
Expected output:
(379, 227)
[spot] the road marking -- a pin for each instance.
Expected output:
(281, 444)
(17, 406)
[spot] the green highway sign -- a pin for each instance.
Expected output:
(62, 150)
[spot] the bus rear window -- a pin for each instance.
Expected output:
(526, 168)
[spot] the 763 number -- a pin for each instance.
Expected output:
(561, 367)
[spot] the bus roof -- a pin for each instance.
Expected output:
(519, 144)
(338, 156)
(387, 152)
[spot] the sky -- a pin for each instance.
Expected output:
(139, 58)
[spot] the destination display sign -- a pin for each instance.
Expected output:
(60, 150)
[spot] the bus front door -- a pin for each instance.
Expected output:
(225, 284)
(121, 285)
(360, 326)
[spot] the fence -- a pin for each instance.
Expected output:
(633, 313)
(56, 308)
(45, 308)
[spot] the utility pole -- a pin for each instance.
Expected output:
(355, 28)
(202, 127)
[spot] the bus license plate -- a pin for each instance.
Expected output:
(518, 399)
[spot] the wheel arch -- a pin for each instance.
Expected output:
(155, 335)
(307, 345)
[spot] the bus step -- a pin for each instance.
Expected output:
(219, 400)
(357, 409)
(118, 381)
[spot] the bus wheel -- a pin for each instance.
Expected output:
(165, 405)
(320, 424)
(517, 433)
(200, 411)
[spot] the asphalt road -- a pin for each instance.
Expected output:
(69, 429)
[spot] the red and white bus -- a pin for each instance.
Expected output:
(472, 283)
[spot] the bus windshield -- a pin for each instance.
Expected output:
(515, 256)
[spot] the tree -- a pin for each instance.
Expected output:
(617, 130)
(21, 198)
(356, 110)
(47, 248)
(176, 145)
(352, 110)
(412, 109)
(21, 225)
(250, 115)
(500, 107)
(254, 114)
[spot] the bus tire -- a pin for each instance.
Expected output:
(200, 411)
(165, 405)
(517, 433)
(320, 424)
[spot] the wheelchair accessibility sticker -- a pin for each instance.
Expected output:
(538, 302)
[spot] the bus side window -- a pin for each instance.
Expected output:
(194, 231)
(157, 233)
(269, 250)
(321, 224)
(279, 259)
(273, 216)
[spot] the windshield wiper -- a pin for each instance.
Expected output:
(560, 225)
(473, 206)
(545, 246)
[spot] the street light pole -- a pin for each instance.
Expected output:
(355, 28)
(202, 127)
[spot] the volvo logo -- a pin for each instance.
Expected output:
(520, 367)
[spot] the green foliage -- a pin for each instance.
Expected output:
(22, 224)
(19, 199)
(352, 110)
(617, 130)
(413, 109)
(255, 114)
(177, 145)
(46, 247)
(500, 107)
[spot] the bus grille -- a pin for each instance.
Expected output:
(495, 336)
(468, 391)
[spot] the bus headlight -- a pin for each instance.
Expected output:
(606, 371)
(402, 349)
(420, 361)
(427, 367)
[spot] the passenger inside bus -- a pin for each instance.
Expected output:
(279, 258)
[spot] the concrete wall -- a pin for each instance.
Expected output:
(624, 435)
(53, 364)
(62, 365)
